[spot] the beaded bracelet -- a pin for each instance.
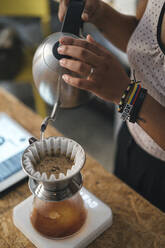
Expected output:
(132, 101)
(124, 97)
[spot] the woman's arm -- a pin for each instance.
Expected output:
(116, 27)
(108, 81)
(153, 120)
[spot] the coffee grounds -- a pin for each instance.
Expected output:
(54, 165)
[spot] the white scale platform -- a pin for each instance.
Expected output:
(98, 220)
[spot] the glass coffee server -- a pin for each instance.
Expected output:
(58, 210)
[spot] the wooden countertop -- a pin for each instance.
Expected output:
(137, 224)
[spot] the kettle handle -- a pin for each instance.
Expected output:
(72, 21)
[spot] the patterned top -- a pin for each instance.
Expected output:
(146, 56)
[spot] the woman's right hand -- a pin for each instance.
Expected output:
(90, 13)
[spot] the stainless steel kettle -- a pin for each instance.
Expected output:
(46, 67)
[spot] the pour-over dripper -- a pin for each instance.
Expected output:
(52, 188)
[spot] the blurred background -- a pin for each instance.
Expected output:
(23, 25)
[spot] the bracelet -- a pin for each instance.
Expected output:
(124, 97)
(131, 102)
(126, 112)
(137, 106)
(134, 94)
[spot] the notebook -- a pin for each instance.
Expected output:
(13, 141)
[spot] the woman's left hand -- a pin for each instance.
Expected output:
(100, 72)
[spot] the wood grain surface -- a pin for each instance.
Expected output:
(136, 224)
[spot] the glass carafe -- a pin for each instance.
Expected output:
(58, 219)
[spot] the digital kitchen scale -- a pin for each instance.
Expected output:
(99, 218)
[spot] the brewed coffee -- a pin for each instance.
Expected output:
(58, 219)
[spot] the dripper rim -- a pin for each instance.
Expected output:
(56, 179)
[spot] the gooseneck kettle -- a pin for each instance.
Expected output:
(46, 68)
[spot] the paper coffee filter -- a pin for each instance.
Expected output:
(49, 147)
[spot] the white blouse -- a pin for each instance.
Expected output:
(146, 56)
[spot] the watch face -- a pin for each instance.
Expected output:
(13, 138)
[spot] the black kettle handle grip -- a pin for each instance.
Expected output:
(72, 21)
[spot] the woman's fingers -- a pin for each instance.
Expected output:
(81, 83)
(90, 12)
(91, 7)
(76, 66)
(80, 53)
(95, 44)
(62, 9)
(94, 47)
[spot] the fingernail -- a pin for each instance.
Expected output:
(62, 40)
(91, 38)
(60, 49)
(65, 77)
(62, 62)
(85, 16)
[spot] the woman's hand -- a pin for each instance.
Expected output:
(90, 13)
(100, 72)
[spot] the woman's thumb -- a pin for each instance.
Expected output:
(88, 10)
(90, 39)
(85, 17)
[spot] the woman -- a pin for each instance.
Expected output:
(140, 159)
